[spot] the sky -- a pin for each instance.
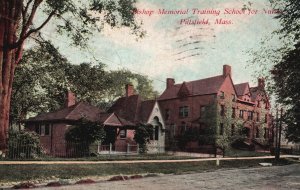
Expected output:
(174, 49)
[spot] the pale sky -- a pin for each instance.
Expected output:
(183, 52)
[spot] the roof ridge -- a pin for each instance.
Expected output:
(199, 79)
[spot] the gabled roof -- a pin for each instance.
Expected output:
(146, 110)
(198, 87)
(127, 107)
(241, 88)
(72, 113)
(112, 119)
(133, 109)
(255, 91)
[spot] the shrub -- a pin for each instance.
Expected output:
(24, 144)
(142, 135)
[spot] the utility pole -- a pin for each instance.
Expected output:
(280, 128)
(278, 134)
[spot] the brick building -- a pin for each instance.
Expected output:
(134, 109)
(183, 105)
(52, 126)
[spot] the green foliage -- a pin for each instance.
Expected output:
(24, 144)
(280, 64)
(44, 75)
(39, 82)
(142, 135)
(118, 79)
(212, 120)
(78, 19)
(286, 73)
(85, 132)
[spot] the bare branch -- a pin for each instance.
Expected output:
(24, 11)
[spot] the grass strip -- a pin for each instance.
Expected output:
(16, 173)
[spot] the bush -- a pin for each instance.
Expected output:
(24, 144)
(142, 135)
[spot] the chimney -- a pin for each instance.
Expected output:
(71, 99)
(129, 90)
(226, 70)
(170, 82)
(261, 83)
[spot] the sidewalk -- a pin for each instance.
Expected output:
(139, 161)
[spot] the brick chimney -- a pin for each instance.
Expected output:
(261, 83)
(71, 99)
(226, 70)
(170, 82)
(129, 90)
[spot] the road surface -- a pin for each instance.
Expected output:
(275, 177)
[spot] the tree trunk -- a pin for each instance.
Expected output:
(8, 28)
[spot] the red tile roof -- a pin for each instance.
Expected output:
(72, 113)
(198, 87)
(112, 119)
(146, 109)
(132, 109)
(127, 107)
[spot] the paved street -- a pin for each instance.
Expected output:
(276, 177)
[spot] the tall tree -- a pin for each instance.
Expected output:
(285, 72)
(40, 81)
(75, 18)
(279, 63)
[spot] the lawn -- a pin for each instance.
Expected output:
(15, 173)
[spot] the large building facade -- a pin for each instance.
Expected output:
(183, 105)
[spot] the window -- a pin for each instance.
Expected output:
(222, 113)
(257, 133)
(202, 110)
(123, 133)
(42, 130)
(167, 114)
(241, 114)
(222, 95)
(184, 111)
(47, 129)
(156, 131)
(37, 128)
(221, 129)
(172, 130)
(233, 113)
(266, 118)
(183, 128)
(250, 115)
(233, 97)
(266, 133)
(232, 129)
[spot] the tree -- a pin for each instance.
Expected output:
(39, 82)
(142, 136)
(43, 76)
(281, 64)
(286, 74)
(77, 19)
(83, 134)
(119, 78)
